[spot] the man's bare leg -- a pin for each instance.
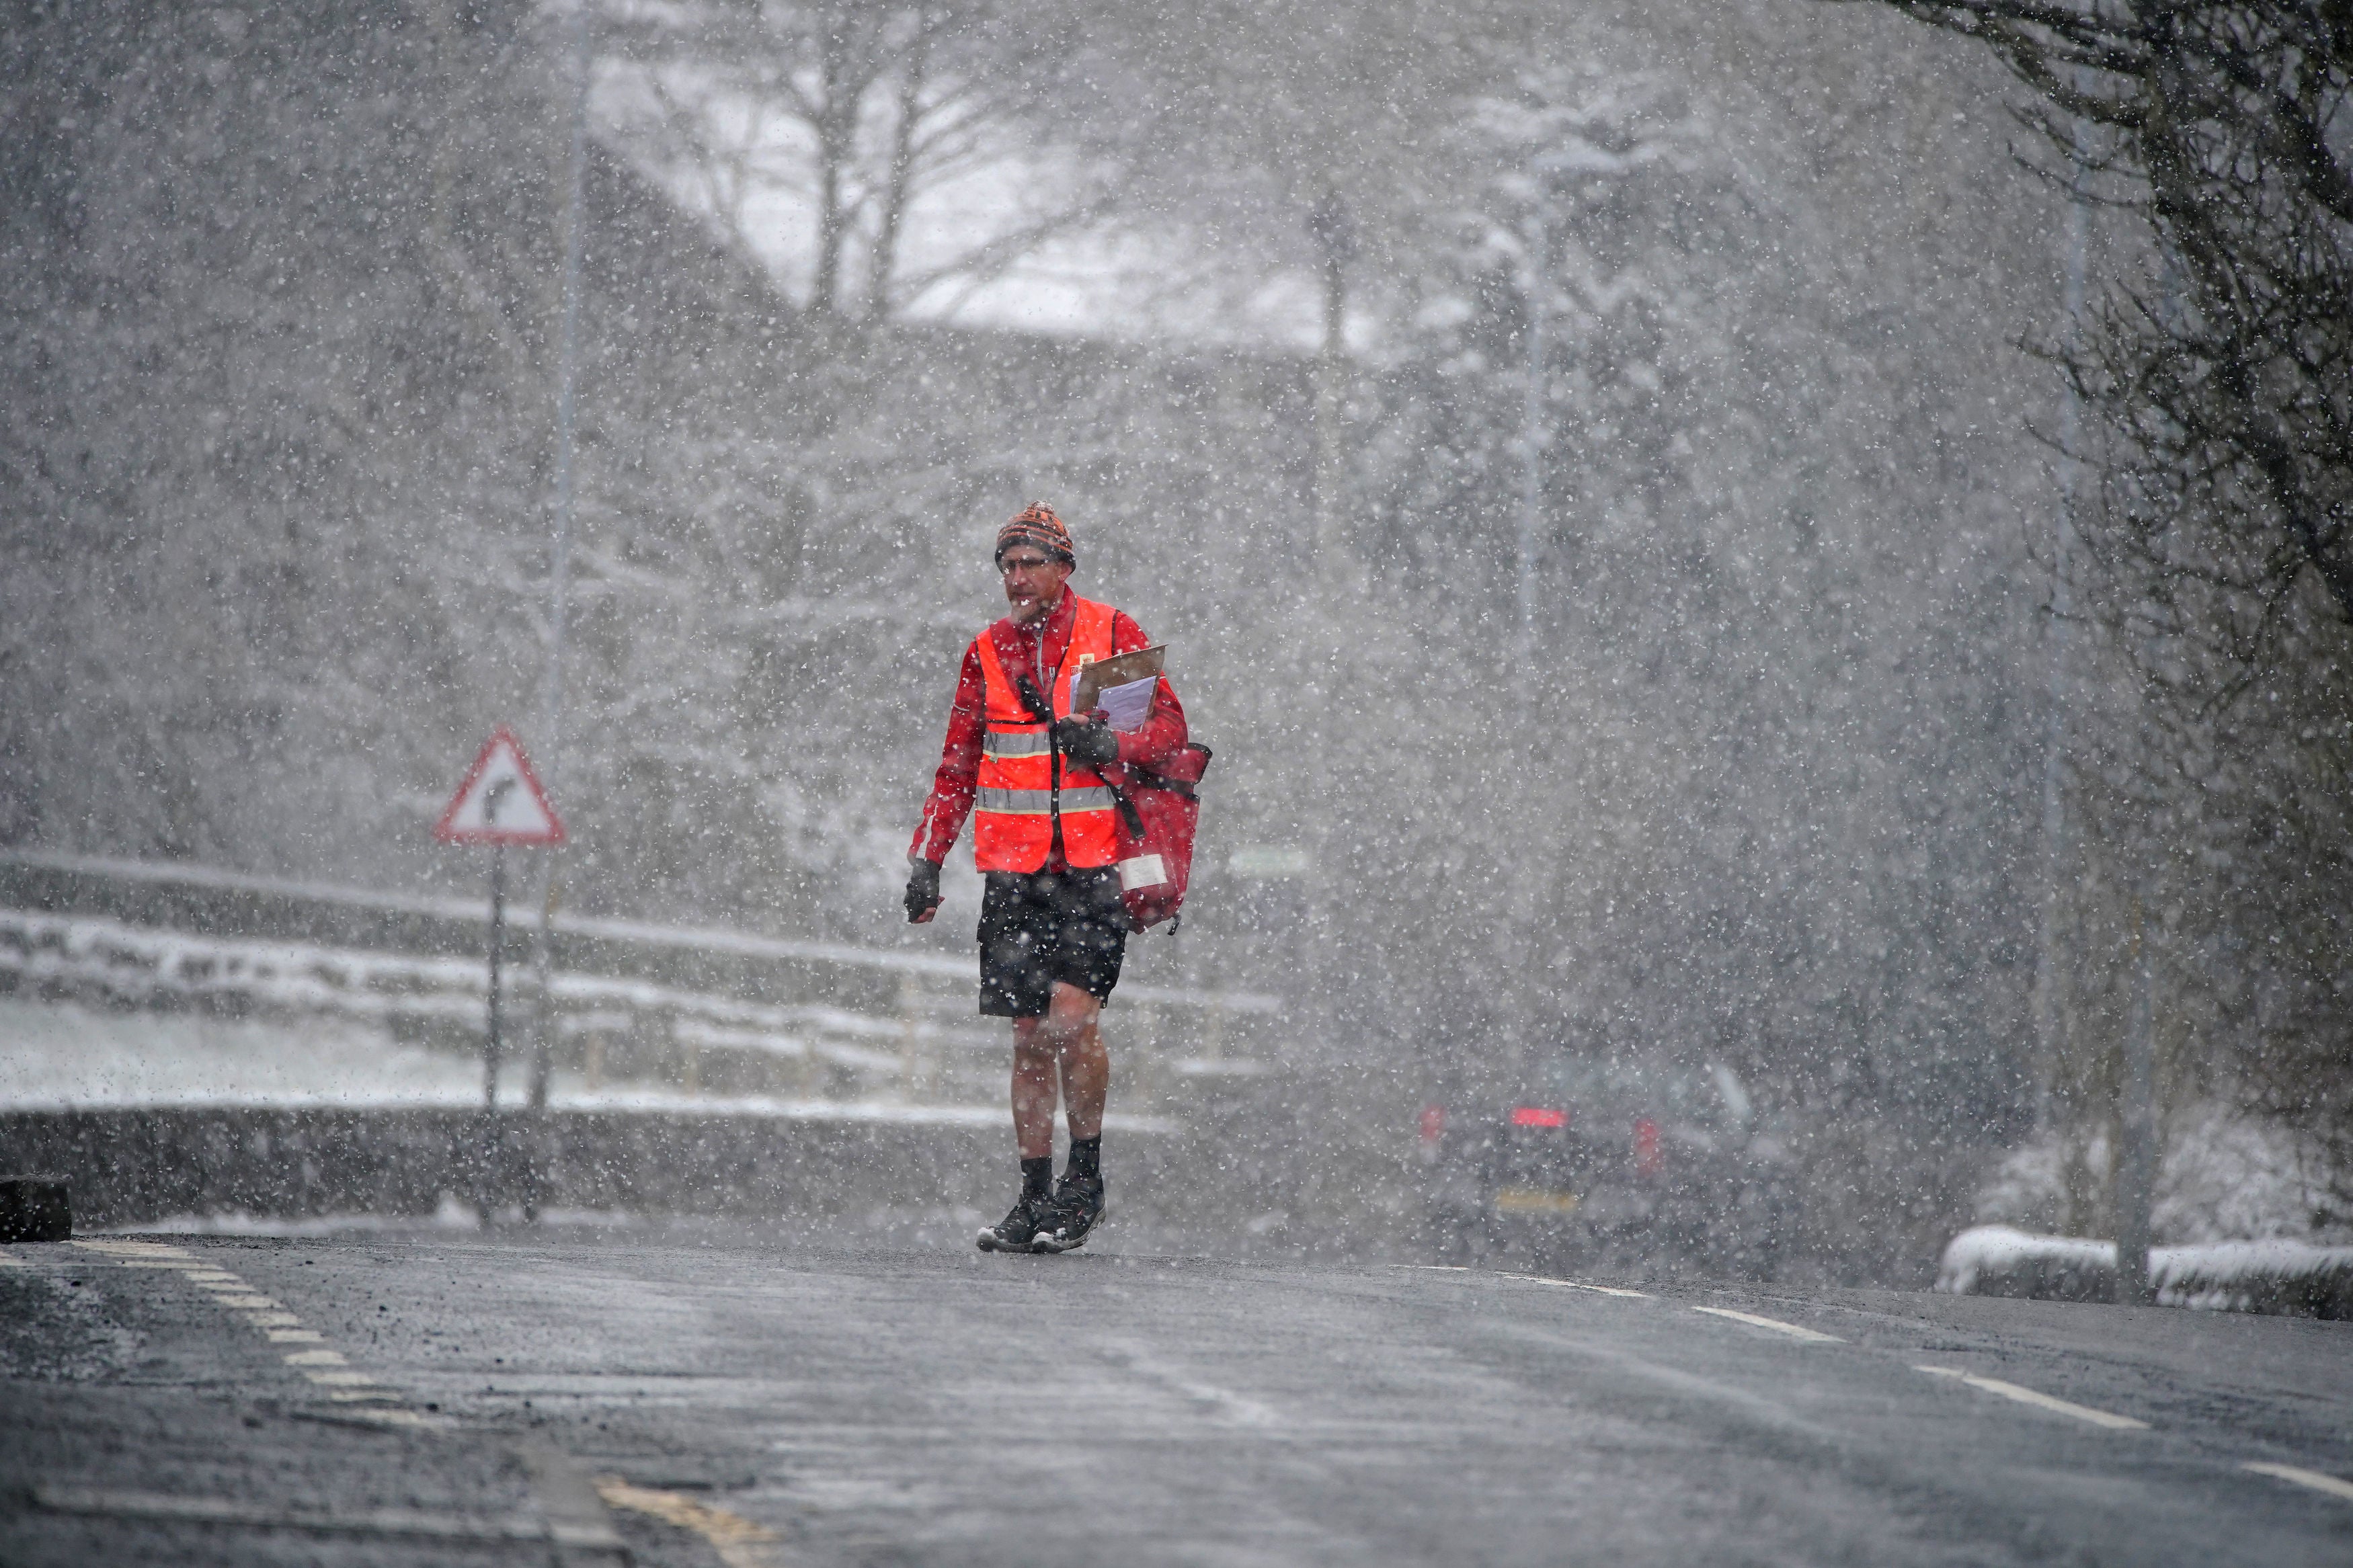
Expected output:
(1069, 1037)
(1076, 1021)
(1033, 1089)
(1033, 1134)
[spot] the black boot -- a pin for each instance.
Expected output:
(1015, 1232)
(1077, 1209)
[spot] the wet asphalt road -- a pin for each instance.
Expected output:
(456, 1400)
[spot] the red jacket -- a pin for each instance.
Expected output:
(950, 801)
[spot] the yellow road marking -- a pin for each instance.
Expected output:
(739, 1542)
(2303, 1478)
(1776, 1324)
(1535, 1200)
(1581, 1285)
(2040, 1401)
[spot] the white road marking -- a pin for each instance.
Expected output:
(340, 1386)
(339, 1379)
(1776, 1324)
(2303, 1478)
(10, 1261)
(1581, 1285)
(1205, 1397)
(110, 1502)
(1434, 1267)
(2114, 1422)
(132, 1249)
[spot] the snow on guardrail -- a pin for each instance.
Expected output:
(649, 934)
(133, 963)
(2277, 1276)
(630, 1028)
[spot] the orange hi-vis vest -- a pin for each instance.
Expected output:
(1024, 786)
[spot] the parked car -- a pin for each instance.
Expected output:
(1615, 1161)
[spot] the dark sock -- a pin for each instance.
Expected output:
(1037, 1177)
(1086, 1156)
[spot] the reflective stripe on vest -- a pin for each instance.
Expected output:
(1017, 803)
(1041, 802)
(1030, 743)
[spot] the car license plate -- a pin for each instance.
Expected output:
(1534, 1200)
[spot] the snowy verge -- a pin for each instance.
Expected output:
(2222, 1175)
(2286, 1278)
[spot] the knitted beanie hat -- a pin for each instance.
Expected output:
(1038, 525)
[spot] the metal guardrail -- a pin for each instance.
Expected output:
(691, 939)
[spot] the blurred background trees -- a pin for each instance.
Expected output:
(2215, 531)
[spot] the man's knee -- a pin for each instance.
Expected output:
(1068, 1018)
(1034, 1042)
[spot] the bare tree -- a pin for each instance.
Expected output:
(856, 112)
(2229, 372)
(2218, 550)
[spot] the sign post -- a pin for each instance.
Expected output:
(499, 803)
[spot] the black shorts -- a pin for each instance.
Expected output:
(1047, 926)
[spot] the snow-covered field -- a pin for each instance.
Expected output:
(64, 1056)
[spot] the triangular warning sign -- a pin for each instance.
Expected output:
(501, 801)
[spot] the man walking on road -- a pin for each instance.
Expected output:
(1053, 929)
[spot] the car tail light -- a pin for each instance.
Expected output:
(1647, 1158)
(1538, 1116)
(1433, 1123)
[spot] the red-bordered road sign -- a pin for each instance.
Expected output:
(501, 801)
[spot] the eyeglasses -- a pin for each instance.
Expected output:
(1010, 564)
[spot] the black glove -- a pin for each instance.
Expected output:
(922, 889)
(1087, 743)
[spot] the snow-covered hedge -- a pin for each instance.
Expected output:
(2291, 1278)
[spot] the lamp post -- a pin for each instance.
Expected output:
(2049, 1031)
(559, 567)
(1333, 232)
(1533, 434)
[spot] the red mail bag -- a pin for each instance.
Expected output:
(1159, 811)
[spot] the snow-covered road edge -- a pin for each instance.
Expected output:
(2282, 1278)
